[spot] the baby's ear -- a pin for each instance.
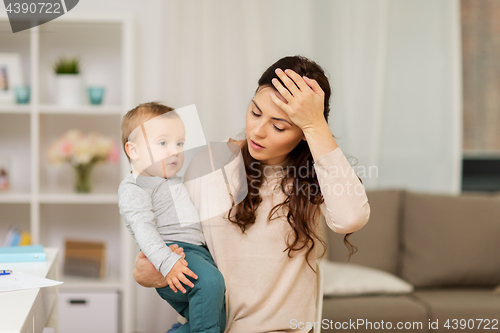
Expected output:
(131, 150)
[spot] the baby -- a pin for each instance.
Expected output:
(158, 212)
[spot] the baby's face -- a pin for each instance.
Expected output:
(165, 138)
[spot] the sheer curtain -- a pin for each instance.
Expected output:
(394, 67)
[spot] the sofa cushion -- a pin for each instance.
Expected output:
(341, 279)
(377, 241)
(374, 309)
(451, 240)
(461, 303)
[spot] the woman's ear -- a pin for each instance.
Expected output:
(131, 150)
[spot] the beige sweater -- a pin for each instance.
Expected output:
(266, 291)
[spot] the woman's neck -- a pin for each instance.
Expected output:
(284, 162)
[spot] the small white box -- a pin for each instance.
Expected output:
(84, 312)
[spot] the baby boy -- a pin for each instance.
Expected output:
(158, 212)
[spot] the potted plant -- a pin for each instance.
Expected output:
(68, 81)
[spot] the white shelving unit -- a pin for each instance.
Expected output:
(41, 199)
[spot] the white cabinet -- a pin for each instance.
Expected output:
(41, 199)
(84, 312)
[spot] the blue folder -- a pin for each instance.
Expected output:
(22, 253)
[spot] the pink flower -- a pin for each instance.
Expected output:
(78, 148)
(114, 155)
(66, 148)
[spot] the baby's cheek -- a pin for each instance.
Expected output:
(144, 161)
(159, 155)
(155, 169)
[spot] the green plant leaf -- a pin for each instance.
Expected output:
(67, 65)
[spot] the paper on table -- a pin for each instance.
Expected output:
(20, 281)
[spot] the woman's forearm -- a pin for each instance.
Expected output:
(346, 208)
(145, 272)
(320, 140)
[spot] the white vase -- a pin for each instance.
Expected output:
(69, 89)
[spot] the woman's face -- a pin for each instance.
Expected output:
(271, 135)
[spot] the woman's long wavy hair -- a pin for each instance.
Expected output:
(303, 197)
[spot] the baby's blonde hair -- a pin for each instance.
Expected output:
(138, 116)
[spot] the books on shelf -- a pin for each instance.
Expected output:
(22, 253)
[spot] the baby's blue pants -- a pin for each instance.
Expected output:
(204, 305)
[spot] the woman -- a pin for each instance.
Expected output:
(265, 245)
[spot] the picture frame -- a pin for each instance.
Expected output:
(10, 76)
(4, 175)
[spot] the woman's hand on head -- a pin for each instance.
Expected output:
(146, 274)
(305, 103)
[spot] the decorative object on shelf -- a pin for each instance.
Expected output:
(16, 237)
(68, 81)
(83, 258)
(23, 93)
(10, 76)
(4, 175)
(83, 152)
(96, 94)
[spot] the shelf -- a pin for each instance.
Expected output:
(59, 109)
(101, 59)
(81, 110)
(14, 213)
(77, 16)
(13, 197)
(60, 198)
(16, 152)
(15, 108)
(75, 198)
(41, 199)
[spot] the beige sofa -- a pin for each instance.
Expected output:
(447, 247)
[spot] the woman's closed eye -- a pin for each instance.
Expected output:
(275, 127)
(278, 129)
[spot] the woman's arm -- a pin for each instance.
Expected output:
(346, 207)
(305, 109)
(146, 274)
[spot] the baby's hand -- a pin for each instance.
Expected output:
(176, 249)
(176, 276)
